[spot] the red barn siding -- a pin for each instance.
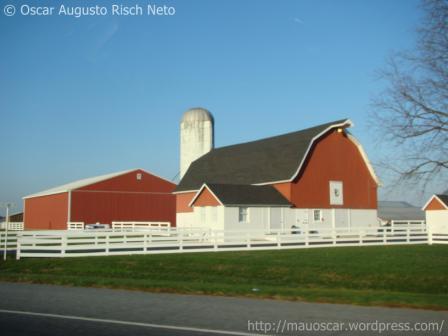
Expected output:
(284, 189)
(120, 198)
(129, 182)
(435, 205)
(105, 207)
(182, 201)
(334, 158)
(46, 212)
(206, 198)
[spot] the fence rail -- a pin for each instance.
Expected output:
(116, 225)
(83, 243)
(12, 226)
(75, 226)
(411, 224)
(140, 225)
(11, 241)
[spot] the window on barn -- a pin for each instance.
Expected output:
(336, 193)
(317, 215)
(243, 214)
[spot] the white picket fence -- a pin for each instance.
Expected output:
(83, 243)
(140, 225)
(415, 224)
(76, 226)
(12, 226)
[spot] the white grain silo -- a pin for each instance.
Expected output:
(196, 136)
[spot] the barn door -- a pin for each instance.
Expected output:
(275, 219)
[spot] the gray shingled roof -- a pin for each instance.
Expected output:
(395, 210)
(232, 194)
(266, 160)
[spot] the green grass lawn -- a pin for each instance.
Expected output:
(412, 276)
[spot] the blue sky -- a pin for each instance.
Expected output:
(93, 95)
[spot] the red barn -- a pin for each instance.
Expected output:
(133, 195)
(318, 177)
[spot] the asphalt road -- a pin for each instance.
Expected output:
(64, 311)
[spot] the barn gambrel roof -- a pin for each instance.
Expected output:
(272, 160)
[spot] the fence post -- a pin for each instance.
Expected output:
(18, 248)
(106, 238)
(247, 240)
(333, 235)
(180, 240)
(429, 233)
(307, 236)
(279, 244)
(407, 235)
(63, 244)
(215, 240)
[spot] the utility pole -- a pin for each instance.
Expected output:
(8, 206)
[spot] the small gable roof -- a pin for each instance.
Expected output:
(274, 159)
(442, 198)
(244, 195)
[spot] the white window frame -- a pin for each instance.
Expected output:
(321, 217)
(241, 214)
(336, 200)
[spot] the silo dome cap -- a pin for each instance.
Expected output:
(197, 114)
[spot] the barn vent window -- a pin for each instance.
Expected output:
(243, 214)
(139, 176)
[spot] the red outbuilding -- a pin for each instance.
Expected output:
(132, 195)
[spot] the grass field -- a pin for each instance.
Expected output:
(411, 276)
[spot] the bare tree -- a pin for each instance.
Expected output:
(412, 113)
